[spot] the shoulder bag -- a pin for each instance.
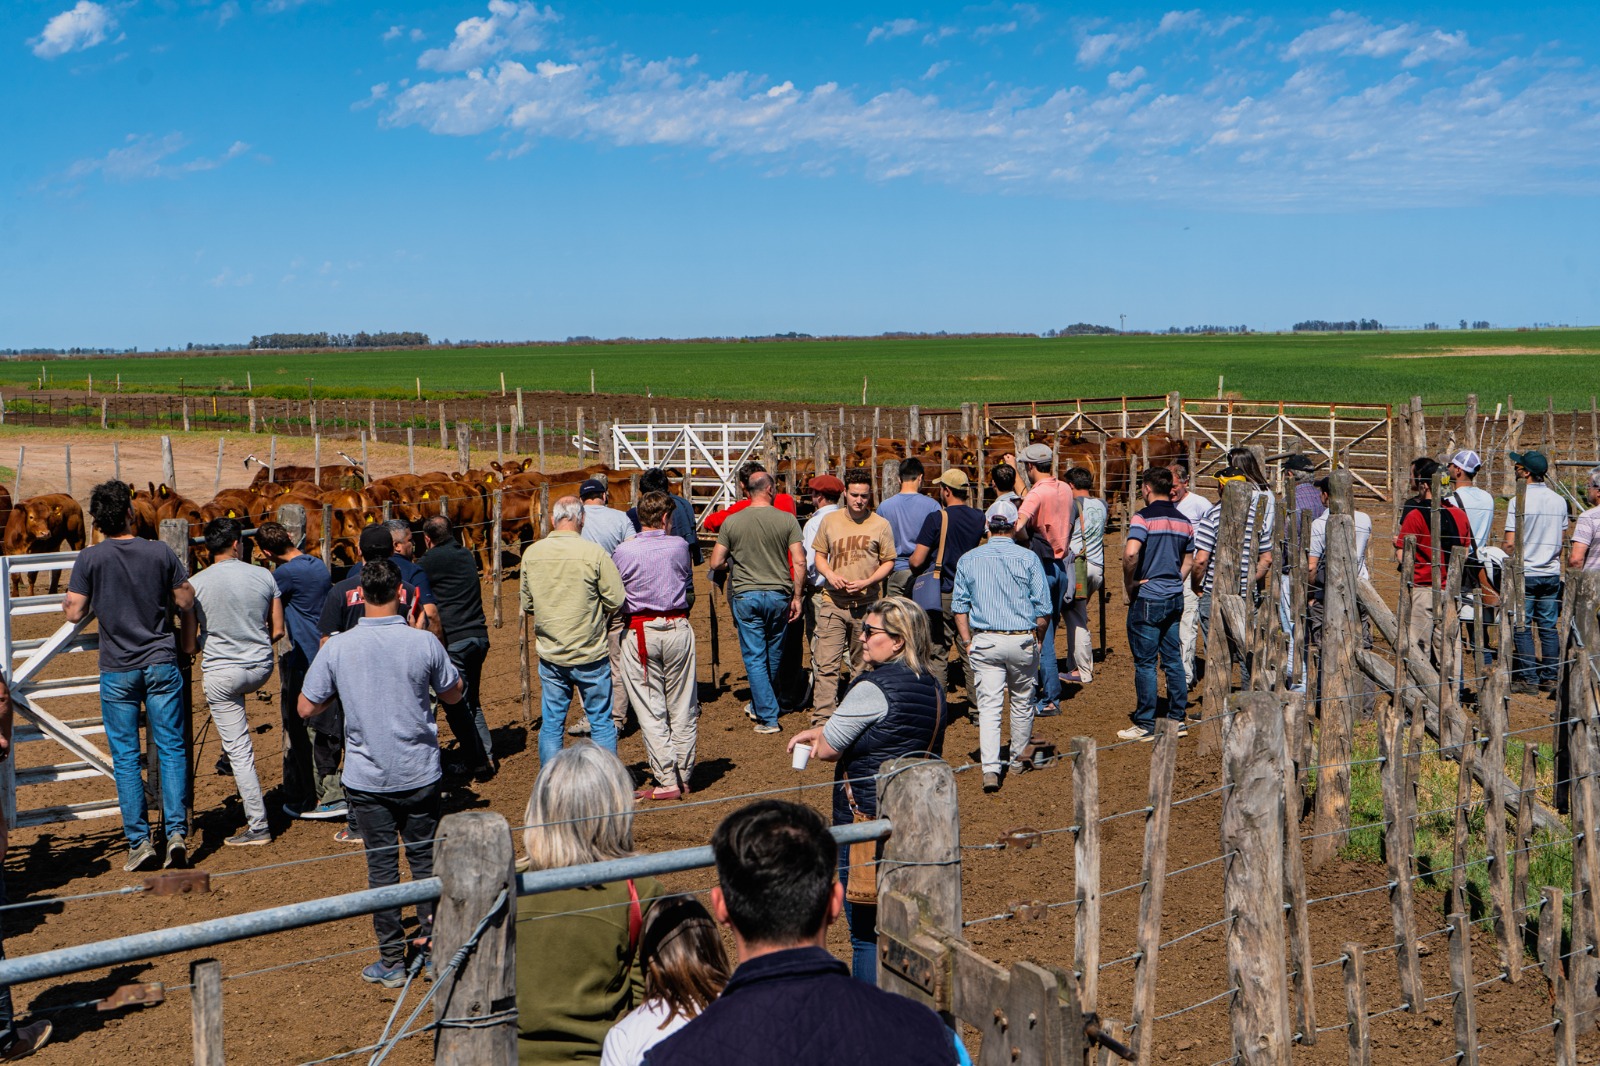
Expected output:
(926, 589)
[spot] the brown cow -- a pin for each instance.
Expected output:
(49, 523)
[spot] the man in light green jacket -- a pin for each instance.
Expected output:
(571, 586)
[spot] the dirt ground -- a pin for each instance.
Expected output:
(297, 996)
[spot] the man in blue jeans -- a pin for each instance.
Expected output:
(760, 548)
(570, 586)
(1155, 564)
(131, 586)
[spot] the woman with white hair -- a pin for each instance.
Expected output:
(577, 949)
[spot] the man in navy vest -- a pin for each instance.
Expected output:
(790, 1001)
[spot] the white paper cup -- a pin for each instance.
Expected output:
(802, 755)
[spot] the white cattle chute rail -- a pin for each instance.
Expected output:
(706, 455)
(24, 662)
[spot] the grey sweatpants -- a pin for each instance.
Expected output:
(225, 688)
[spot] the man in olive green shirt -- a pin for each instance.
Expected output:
(760, 547)
(570, 586)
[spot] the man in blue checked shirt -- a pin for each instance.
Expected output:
(1001, 604)
(1155, 564)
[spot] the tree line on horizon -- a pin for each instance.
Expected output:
(406, 339)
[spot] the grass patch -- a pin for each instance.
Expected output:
(1437, 778)
(932, 371)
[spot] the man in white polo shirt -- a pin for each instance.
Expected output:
(1542, 530)
(1479, 505)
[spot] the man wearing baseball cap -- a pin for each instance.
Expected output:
(946, 536)
(1479, 505)
(1046, 517)
(608, 528)
(1001, 603)
(1542, 524)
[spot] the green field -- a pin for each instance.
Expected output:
(1350, 367)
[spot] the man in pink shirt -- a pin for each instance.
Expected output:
(1045, 518)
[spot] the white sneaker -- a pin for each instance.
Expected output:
(1133, 732)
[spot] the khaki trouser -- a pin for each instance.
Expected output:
(662, 691)
(1075, 620)
(838, 639)
(942, 635)
(1003, 663)
(616, 633)
(1189, 629)
(1420, 634)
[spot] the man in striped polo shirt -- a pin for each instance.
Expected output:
(1001, 603)
(1155, 564)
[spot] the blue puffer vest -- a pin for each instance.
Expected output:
(914, 723)
(801, 1007)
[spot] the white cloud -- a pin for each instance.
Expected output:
(512, 26)
(393, 32)
(935, 36)
(1121, 80)
(417, 34)
(935, 69)
(1098, 47)
(892, 29)
(142, 156)
(377, 93)
(85, 25)
(997, 29)
(1251, 135)
(1350, 34)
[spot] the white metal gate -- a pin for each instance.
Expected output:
(29, 689)
(705, 455)
(1358, 434)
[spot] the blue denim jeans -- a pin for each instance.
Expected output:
(160, 689)
(1055, 579)
(1542, 605)
(760, 619)
(1152, 632)
(593, 683)
(861, 921)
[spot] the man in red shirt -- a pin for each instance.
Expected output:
(1416, 520)
(1045, 516)
(782, 501)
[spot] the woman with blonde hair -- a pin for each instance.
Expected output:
(896, 707)
(685, 968)
(577, 949)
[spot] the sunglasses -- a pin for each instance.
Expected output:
(869, 630)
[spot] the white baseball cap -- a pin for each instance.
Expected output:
(1466, 459)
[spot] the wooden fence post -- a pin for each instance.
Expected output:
(1562, 1005)
(1337, 676)
(174, 533)
(1086, 869)
(1154, 875)
(522, 663)
(205, 1000)
(116, 461)
(1252, 833)
(1355, 1005)
(217, 485)
(923, 857)
(104, 406)
(316, 461)
(327, 536)
(169, 474)
(463, 447)
(1399, 836)
(250, 404)
(475, 1006)
(66, 459)
(1294, 876)
(444, 440)
(1492, 717)
(1461, 980)
(494, 559)
(272, 458)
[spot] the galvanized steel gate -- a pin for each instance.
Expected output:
(705, 455)
(29, 689)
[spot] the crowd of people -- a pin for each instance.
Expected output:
(865, 620)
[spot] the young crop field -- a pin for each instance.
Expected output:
(934, 371)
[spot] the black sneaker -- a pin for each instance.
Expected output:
(26, 1040)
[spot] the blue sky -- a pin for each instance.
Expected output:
(201, 170)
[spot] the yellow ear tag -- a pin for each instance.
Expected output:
(231, 514)
(424, 495)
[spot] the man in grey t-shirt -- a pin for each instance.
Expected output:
(383, 671)
(240, 618)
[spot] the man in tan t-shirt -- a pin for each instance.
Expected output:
(854, 553)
